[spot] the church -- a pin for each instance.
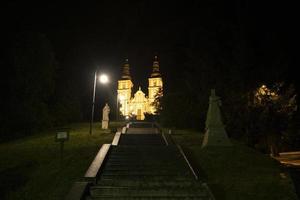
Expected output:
(138, 104)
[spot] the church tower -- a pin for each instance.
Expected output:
(155, 83)
(124, 89)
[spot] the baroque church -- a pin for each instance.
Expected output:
(138, 104)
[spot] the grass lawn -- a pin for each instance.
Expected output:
(238, 172)
(30, 167)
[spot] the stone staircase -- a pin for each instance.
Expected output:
(142, 166)
(142, 140)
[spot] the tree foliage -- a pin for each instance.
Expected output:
(38, 95)
(33, 68)
(157, 101)
(271, 109)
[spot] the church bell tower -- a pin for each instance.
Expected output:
(124, 89)
(155, 83)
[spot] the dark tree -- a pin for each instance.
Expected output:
(271, 110)
(33, 66)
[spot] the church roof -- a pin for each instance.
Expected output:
(126, 70)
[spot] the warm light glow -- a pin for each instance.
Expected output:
(264, 93)
(121, 98)
(103, 78)
(138, 103)
(127, 117)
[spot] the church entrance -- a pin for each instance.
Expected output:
(139, 114)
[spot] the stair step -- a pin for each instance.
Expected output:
(145, 178)
(140, 149)
(146, 168)
(143, 173)
(165, 165)
(151, 183)
(146, 154)
(147, 198)
(145, 163)
(136, 192)
(143, 167)
(146, 158)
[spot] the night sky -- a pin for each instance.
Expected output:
(85, 36)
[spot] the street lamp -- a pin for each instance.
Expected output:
(103, 78)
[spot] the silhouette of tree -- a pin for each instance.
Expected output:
(272, 109)
(32, 83)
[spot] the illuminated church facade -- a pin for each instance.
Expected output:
(139, 104)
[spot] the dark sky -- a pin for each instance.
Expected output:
(89, 35)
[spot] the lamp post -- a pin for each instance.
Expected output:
(103, 78)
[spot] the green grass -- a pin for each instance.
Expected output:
(237, 172)
(187, 137)
(30, 168)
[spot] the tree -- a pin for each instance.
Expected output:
(271, 110)
(157, 101)
(32, 83)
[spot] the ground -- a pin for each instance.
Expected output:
(237, 172)
(30, 168)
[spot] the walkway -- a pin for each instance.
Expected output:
(144, 165)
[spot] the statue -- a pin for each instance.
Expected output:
(215, 133)
(105, 116)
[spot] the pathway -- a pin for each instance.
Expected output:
(144, 165)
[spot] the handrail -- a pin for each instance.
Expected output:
(187, 161)
(209, 191)
(165, 139)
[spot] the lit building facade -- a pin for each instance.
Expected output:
(138, 104)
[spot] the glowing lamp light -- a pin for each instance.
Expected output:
(103, 78)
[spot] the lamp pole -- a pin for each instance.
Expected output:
(93, 102)
(103, 78)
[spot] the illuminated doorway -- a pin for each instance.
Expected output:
(139, 114)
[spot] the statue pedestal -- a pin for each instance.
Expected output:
(216, 136)
(104, 124)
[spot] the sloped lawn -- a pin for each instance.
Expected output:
(237, 172)
(30, 168)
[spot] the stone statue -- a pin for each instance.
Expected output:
(215, 133)
(105, 113)
(105, 116)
